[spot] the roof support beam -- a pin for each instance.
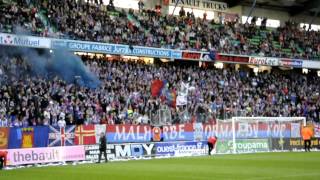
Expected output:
(306, 6)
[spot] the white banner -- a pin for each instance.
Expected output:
(264, 61)
(99, 129)
(181, 100)
(311, 64)
(24, 41)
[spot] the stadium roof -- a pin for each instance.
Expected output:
(294, 7)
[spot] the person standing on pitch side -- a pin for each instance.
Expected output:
(306, 134)
(102, 147)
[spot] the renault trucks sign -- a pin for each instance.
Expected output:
(201, 4)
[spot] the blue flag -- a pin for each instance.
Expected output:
(41, 134)
(28, 137)
(15, 137)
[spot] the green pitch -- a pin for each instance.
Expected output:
(264, 166)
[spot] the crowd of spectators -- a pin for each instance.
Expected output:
(92, 21)
(124, 96)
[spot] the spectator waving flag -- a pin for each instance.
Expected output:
(133, 20)
(156, 87)
(170, 97)
(63, 136)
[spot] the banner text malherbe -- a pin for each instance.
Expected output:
(34, 156)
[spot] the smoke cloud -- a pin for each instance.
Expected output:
(60, 63)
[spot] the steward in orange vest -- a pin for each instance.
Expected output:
(306, 133)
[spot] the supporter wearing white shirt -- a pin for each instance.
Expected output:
(62, 116)
(4, 122)
(62, 123)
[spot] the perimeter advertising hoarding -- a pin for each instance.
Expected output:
(45, 155)
(122, 151)
(242, 146)
(293, 143)
(178, 149)
(232, 58)
(147, 150)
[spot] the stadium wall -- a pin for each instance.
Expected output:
(278, 15)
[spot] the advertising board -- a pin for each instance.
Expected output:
(45, 155)
(242, 146)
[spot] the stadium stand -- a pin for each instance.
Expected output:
(88, 21)
(124, 96)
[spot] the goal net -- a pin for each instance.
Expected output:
(161, 117)
(259, 134)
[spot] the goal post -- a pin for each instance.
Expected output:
(259, 134)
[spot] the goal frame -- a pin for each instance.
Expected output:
(262, 119)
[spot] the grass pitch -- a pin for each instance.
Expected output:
(262, 166)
